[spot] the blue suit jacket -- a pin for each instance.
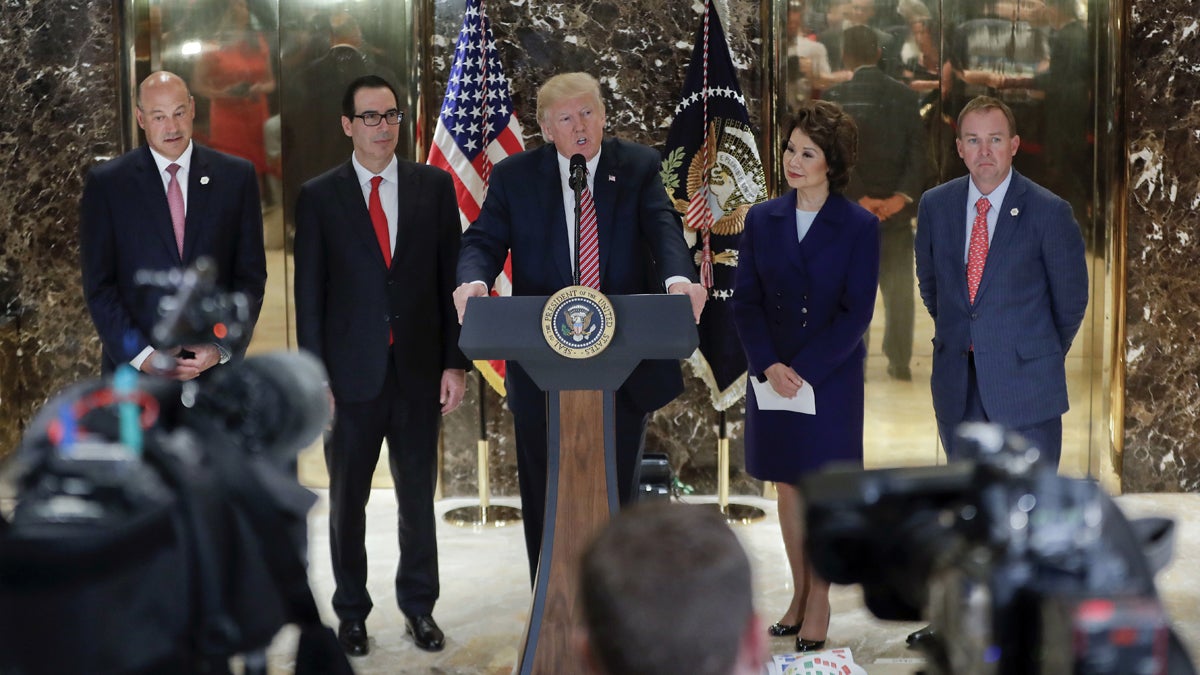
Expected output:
(125, 226)
(641, 238)
(1030, 303)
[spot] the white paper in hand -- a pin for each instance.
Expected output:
(805, 400)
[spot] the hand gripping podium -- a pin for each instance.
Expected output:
(581, 493)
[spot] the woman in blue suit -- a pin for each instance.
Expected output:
(803, 298)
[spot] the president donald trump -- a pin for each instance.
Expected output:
(634, 245)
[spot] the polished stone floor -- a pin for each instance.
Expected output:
(485, 592)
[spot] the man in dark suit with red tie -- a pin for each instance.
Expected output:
(159, 207)
(376, 244)
(638, 246)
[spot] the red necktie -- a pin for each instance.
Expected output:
(977, 253)
(589, 243)
(175, 203)
(379, 220)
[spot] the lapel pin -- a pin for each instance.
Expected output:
(612, 178)
(204, 181)
(1014, 212)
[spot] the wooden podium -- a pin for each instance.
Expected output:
(581, 491)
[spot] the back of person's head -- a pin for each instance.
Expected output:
(860, 46)
(344, 30)
(913, 10)
(666, 588)
(566, 86)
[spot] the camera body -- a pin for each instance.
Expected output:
(158, 525)
(1018, 570)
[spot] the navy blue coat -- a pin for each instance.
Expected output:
(1030, 303)
(125, 226)
(807, 305)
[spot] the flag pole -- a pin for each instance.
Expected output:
(483, 515)
(742, 514)
(477, 89)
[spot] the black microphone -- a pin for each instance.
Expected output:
(578, 178)
(577, 181)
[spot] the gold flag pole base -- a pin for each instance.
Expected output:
(739, 514)
(484, 515)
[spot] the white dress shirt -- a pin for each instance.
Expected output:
(389, 194)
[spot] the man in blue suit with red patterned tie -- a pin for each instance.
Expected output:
(1003, 272)
(640, 250)
(159, 207)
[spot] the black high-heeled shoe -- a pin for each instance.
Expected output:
(803, 645)
(780, 629)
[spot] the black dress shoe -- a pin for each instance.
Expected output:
(780, 629)
(920, 638)
(352, 635)
(425, 632)
(901, 373)
(803, 645)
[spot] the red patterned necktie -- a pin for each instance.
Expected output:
(977, 253)
(175, 203)
(589, 243)
(379, 220)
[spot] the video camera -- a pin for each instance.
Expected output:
(158, 532)
(1018, 570)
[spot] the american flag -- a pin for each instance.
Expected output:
(475, 129)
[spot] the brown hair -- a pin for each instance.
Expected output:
(984, 104)
(666, 588)
(834, 131)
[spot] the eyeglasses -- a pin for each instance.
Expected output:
(372, 118)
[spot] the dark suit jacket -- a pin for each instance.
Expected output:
(1030, 303)
(641, 238)
(125, 226)
(892, 153)
(346, 299)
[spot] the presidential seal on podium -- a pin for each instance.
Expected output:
(578, 322)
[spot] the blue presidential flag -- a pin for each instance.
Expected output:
(711, 168)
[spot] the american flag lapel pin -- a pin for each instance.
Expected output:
(612, 178)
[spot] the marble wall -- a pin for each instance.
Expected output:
(1162, 408)
(57, 115)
